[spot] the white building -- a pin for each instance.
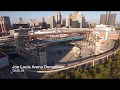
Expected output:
(104, 27)
(107, 36)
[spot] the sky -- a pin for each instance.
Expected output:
(90, 16)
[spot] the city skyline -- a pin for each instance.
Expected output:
(59, 45)
(90, 16)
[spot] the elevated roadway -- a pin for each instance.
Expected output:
(86, 61)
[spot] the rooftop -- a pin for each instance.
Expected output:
(114, 32)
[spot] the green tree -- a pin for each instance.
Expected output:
(67, 76)
(116, 68)
(52, 76)
(92, 71)
(85, 74)
(71, 73)
(102, 72)
(77, 74)
(111, 68)
(61, 76)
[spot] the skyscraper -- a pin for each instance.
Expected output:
(43, 24)
(21, 20)
(64, 22)
(103, 19)
(83, 22)
(59, 17)
(32, 22)
(77, 16)
(5, 23)
(74, 24)
(67, 21)
(111, 20)
(50, 21)
(43, 20)
(108, 18)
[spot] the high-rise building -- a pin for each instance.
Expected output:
(43, 20)
(50, 21)
(61, 22)
(68, 22)
(103, 19)
(21, 20)
(74, 24)
(43, 24)
(77, 16)
(83, 22)
(64, 22)
(108, 18)
(5, 23)
(86, 25)
(32, 22)
(59, 17)
(111, 20)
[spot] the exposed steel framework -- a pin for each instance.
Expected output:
(58, 35)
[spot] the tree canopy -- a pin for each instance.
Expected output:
(110, 69)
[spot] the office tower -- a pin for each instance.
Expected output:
(59, 17)
(43, 24)
(74, 24)
(21, 20)
(61, 22)
(67, 21)
(5, 23)
(64, 22)
(80, 19)
(58, 22)
(86, 25)
(50, 21)
(32, 22)
(111, 20)
(108, 18)
(103, 19)
(83, 22)
(77, 16)
(43, 20)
